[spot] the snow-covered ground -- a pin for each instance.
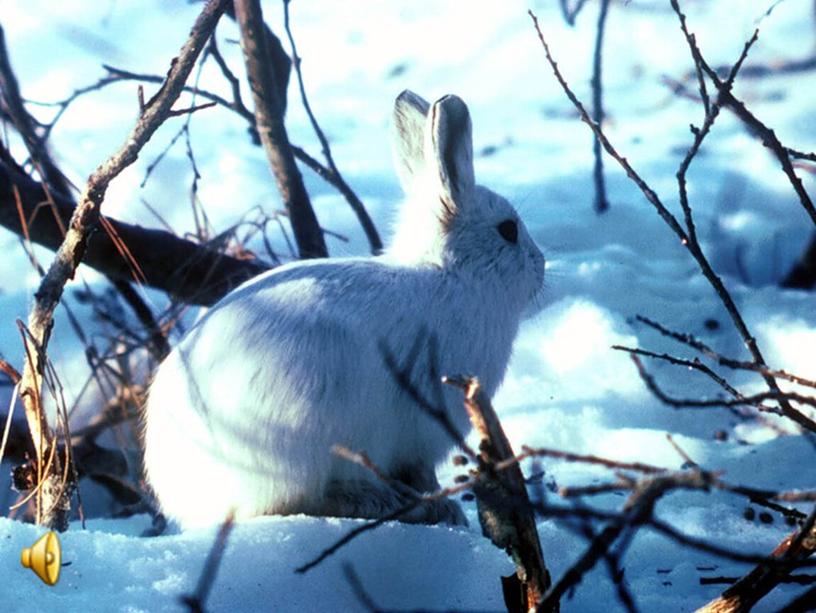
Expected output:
(566, 388)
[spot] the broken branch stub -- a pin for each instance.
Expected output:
(505, 512)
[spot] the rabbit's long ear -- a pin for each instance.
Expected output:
(449, 151)
(410, 112)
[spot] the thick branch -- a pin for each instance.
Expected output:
(190, 272)
(637, 511)
(269, 121)
(281, 65)
(11, 103)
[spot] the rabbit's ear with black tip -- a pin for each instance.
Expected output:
(449, 151)
(410, 113)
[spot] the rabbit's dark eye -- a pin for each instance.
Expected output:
(508, 230)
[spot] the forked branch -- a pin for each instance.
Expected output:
(687, 236)
(83, 222)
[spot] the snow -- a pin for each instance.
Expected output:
(111, 569)
(566, 388)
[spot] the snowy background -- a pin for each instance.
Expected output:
(566, 388)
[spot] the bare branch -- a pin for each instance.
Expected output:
(363, 460)
(767, 135)
(195, 601)
(83, 221)
(601, 202)
(746, 592)
(693, 247)
(543, 452)
(236, 105)
(776, 68)
(372, 525)
(355, 203)
(636, 512)
(711, 113)
(402, 375)
(357, 588)
(696, 479)
(191, 110)
(800, 155)
(755, 400)
(694, 343)
(269, 122)
(693, 364)
(193, 273)
(11, 102)
(117, 75)
(235, 85)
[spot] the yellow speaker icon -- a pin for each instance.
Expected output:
(44, 557)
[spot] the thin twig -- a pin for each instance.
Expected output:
(235, 85)
(237, 105)
(693, 364)
(544, 452)
(354, 202)
(687, 460)
(726, 98)
(192, 109)
(195, 601)
(376, 523)
(693, 247)
(687, 479)
(357, 588)
(362, 459)
(698, 345)
(269, 122)
(402, 375)
(86, 217)
(755, 400)
(637, 511)
(11, 102)
(711, 113)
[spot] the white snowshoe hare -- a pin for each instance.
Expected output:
(245, 410)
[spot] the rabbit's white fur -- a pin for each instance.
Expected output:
(243, 413)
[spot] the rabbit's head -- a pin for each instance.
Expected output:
(448, 220)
